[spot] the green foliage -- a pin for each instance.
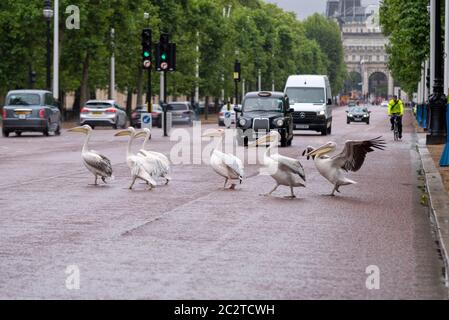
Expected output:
(260, 35)
(407, 25)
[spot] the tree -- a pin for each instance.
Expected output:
(406, 23)
(327, 34)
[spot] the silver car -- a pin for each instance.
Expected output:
(182, 112)
(103, 113)
(30, 111)
(223, 111)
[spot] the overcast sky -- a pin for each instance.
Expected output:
(305, 8)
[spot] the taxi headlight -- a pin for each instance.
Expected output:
(242, 122)
(280, 122)
(321, 113)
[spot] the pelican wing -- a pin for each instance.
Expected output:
(353, 155)
(99, 162)
(139, 169)
(233, 163)
(291, 164)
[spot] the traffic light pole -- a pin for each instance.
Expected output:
(165, 103)
(149, 93)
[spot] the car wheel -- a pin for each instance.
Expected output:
(324, 132)
(348, 121)
(284, 141)
(46, 131)
(367, 122)
(220, 123)
(329, 130)
(58, 130)
(5, 133)
(114, 126)
(124, 124)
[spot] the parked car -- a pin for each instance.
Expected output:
(182, 112)
(30, 111)
(103, 113)
(384, 104)
(224, 109)
(156, 116)
(358, 114)
(262, 112)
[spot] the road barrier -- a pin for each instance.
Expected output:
(444, 162)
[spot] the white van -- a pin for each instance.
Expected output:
(311, 98)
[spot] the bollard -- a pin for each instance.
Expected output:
(419, 114)
(444, 162)
(425, 113)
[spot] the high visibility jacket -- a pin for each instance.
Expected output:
(395, 108)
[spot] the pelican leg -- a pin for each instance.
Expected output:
(226, 182)
(104, 180)
(96, 178)
(132, 183)
(167, 180)
(333, 191)
(232, 187)
(271, 192)
(292, 194)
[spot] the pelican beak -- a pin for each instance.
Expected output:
(213, 134)
(78, 129)
(122, 133)
(321, 150)
(141, 134)
(265, 140)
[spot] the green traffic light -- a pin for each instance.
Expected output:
(163, 56)
(146, 54)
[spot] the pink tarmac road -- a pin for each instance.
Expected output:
(194, 240)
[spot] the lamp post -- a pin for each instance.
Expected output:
(48, 14)
(437, 101)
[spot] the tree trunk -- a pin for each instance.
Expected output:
(206, 108)
(139, 86)
(84, 94)
(129, 101)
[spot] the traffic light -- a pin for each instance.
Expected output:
(237, 71)
(146, 49)
(165, 54)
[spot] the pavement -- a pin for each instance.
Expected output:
(194, 240)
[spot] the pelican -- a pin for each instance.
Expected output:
(284, 170)
(136, 162)
(157, 163)
(226, 165)
(95, 162)
(350, 159)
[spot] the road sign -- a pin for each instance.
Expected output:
(146, 120)
(164, 65)
(228, 119)
(147, 64)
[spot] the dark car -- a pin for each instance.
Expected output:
(30, 111)
(358, 114)
(262, 112)
(182, 112)
(156, 116)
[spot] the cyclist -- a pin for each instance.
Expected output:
(396, 108)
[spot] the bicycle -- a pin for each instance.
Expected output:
(396, 127)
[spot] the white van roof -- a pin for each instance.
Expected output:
(311, 81)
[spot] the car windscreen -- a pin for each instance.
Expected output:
(357, 110)
(98, 105)
(177, 107)
(23, 99)
(306, 95)
(263, 104)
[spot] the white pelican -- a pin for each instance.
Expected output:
(350, 159)
(136, 162)
(157, 163)
(226, 165)
(95, 162)
(284, 170)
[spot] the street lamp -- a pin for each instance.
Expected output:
(437, 101)
(48, 14)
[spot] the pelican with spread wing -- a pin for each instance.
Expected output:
(157, 164)
(351, 158)
(136, 162)
(284, 170)
(98, 164)
(226, 165)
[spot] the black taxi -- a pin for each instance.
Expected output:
(262, 112)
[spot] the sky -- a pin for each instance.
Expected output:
(305, 8)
